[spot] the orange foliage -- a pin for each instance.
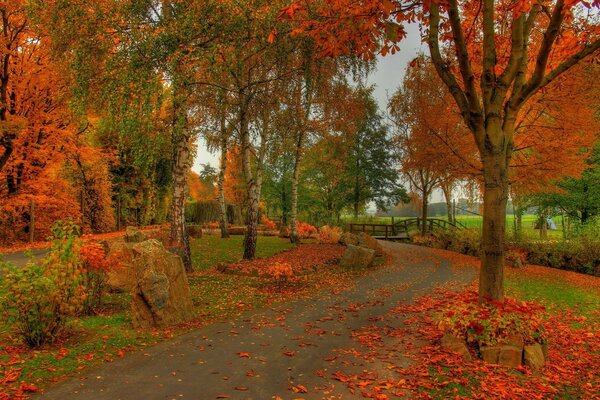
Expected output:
(269, 225)
(199, 191)
(235, 188)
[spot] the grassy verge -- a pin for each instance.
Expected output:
(108, 336)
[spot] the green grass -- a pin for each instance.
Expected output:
(556, 295)
(212, 250)
(473, 221)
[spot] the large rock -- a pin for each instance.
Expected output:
(349, 238)
(507, 355)
(237, 230)
(122, 276)
(134, 235)
(456, 345)
(357, 257)
(161, 295)
(365, 240)
(534, 356)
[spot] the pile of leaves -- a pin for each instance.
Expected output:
(492, 322)
(302, 259)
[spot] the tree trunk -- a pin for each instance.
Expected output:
(181, 162)
(424, 213)
(221, 185)
(251, 190)
(495, 197)
(180, 167)
(294, 237)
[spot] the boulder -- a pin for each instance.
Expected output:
(194, 231)
(161, 295)
(357, 257)
(507, 355)
(490, 354)
(510, 356)
(534, 356)
(514, 340)
(134, 235)
(456, 345)
(369, 242)
(348, 238)
(122, 276)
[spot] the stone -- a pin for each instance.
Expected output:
(161, 295)
(284, 232)
(122, 276)
(194, 231)
(534, 356)
(510, 356)
(357, 257)
(134, 235)
(506, 355)
(365, 240)
(348, 238)
(456, 345)
(490, 354)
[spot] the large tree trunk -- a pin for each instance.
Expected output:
(424, 213)
(294, 237)
(495, 197)
(180, 167)
(251, 188)
(181, 162)
(221, 185)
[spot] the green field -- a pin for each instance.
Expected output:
(472, 221)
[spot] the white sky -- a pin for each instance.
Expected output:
(386, 78)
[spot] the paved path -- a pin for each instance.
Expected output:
(268, 352)
(20, 258)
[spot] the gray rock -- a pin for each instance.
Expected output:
(534, 356)
(365, 240)
(456, 345)
(348, 238)
(357, 257)
(134, 235)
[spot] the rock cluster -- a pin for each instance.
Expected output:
(155, 277)
(511, 353)
(361, 250)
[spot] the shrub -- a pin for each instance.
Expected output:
(305, 230)
(97, 266)
(466, 241)
(491, 323)
(328, 234)
(281, 272)
(41, 296)
(269, 225)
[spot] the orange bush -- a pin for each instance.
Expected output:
(269, 225)
(328, 234)
(305, 230)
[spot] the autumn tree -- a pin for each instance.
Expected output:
(435, 151)
(493, 57)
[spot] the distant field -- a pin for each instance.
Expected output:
(472, 221)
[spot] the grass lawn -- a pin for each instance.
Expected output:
(474, 221)
(107, 336)
(212, 250)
